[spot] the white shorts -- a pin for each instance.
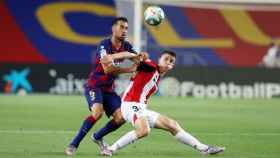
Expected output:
(132, 110)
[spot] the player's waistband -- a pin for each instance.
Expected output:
(102, 88)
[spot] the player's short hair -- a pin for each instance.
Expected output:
(117, 19)
(169, 52)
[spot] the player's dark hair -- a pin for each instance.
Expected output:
(169, 52)
(117, 19)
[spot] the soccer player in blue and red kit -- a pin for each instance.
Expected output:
(99, 88)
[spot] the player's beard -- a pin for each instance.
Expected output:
(121, 39)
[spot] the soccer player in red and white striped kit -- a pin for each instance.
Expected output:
(134, 107)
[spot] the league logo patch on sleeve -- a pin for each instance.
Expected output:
(102, 52)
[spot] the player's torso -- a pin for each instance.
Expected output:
(97, 77)
(142, 86)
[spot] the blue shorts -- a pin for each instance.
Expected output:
(110, 100)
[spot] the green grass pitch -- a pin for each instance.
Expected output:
(41, 126)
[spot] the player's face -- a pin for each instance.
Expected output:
(166, 62)
(120, 30)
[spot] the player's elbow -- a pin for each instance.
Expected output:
(108, 69)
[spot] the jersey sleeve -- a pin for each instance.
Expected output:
(147, 66)
(130, 48)
(102, 50)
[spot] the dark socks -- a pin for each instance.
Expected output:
(108, 128)
(86, 126)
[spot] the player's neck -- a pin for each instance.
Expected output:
(162, 71)
(116, 42)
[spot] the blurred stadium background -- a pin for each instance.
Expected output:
(45, 55)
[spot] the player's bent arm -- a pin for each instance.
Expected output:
(111, 69)
(119, 70)
(123, 55)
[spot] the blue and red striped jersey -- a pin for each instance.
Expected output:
(97, 77)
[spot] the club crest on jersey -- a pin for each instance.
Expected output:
(156, 76)
(155, 79)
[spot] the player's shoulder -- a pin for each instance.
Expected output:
(128, 46)
(127, 43)
(105, 42)
(148, 66)
(150, 62)
(103, 47)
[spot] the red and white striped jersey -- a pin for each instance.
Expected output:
(143, 84)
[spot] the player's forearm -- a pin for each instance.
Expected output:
(122, 70)
(107, 59)
(118, 70)
(123, 55)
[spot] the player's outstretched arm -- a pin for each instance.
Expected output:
(136, 59)
(109, 58)
(123, 55)
(109, 67)
(119, 70)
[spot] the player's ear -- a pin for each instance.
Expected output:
(113, 28)
(174, 60)
(160, 57)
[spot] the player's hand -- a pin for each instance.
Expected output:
(144, 56)
(137, 59)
